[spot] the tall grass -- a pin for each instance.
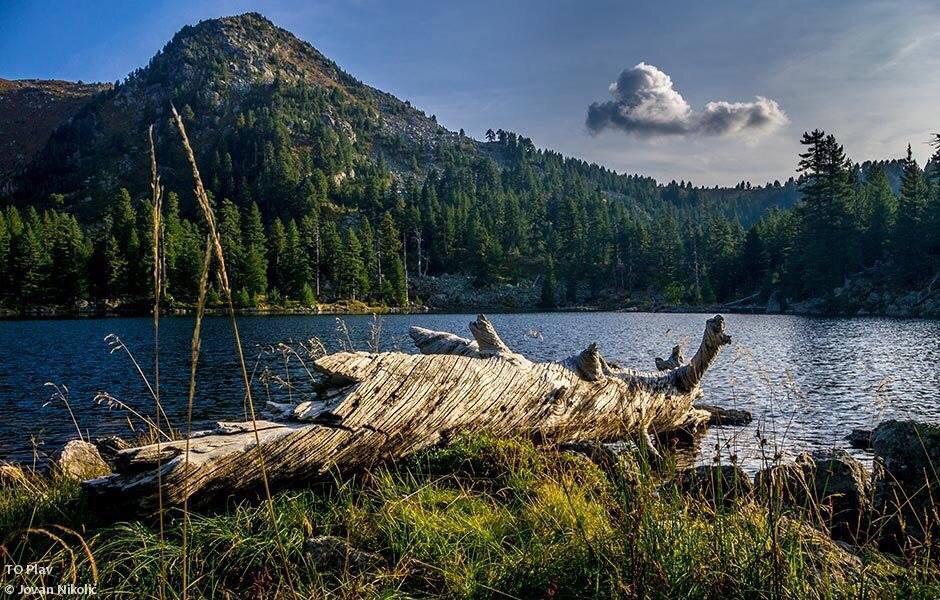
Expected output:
(490, 518)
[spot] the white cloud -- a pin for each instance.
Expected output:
(645, 103)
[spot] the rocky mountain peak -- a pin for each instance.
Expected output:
(243, 50)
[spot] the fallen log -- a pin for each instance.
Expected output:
(375, 406)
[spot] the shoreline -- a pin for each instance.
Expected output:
(339, 309)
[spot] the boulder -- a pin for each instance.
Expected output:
(842, 490)
(831, 488)
(716, 484)
(860, 439)
(81, 460)
(786, 483)
(12, 476)
(726, 417)
(907, 486)
(109, 446)
(333, 553)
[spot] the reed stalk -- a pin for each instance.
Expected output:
(216, 243)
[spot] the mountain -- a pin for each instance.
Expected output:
(240, 82)
(30, 110)
(244, 86)
(328, 189)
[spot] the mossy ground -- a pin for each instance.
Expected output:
(482, 518)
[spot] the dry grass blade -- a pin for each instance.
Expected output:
(194, 360)
(61, 394)
(216, 242)
(155, 247)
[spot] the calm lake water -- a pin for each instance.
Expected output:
(808, 381)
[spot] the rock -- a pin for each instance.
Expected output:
(907, 459)
(773, 303)
(716, 484)
(859, 439)
(81, 460)
(842, 491)
(832, 488)
(786, 483)
(109, 446)
(12, 476)
(332, 553)
(730, 417)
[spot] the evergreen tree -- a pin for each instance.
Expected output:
(548, 299)
(394, 288)
(912, 228)
(295, 262)
(255, 262)
(230, 234)
(277, 256)
(351, 270)
(880, 212)
(828, 230)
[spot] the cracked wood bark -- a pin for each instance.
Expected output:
(390, 404)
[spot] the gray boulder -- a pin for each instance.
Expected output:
(907, 486)
(81, 460)
(717, 485)
(830, 488)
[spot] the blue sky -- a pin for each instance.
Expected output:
(867, 71)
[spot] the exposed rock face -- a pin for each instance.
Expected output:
(30, 110)
(716, 484)
(81, 460)
(907, 486)
(832, 488)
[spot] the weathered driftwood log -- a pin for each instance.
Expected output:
(378, 406)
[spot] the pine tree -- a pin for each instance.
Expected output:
(880, 213)
(548, 299)
(310, 239)
(230, 234)
(254, 259)
(295, 262)
(332, 252)
(394, 286)
(828, 230)
(351, 276)
(277, 255)
(912, 233)
(172, 244)
(307, 297)
(370, 257)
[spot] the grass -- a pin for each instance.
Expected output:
(482, 518)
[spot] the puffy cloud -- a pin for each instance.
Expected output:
(646, 104)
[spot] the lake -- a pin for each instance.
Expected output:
(808, 381)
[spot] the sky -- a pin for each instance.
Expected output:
(713, 92)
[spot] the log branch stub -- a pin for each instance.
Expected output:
(674, 361)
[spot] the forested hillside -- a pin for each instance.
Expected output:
(328, 189)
